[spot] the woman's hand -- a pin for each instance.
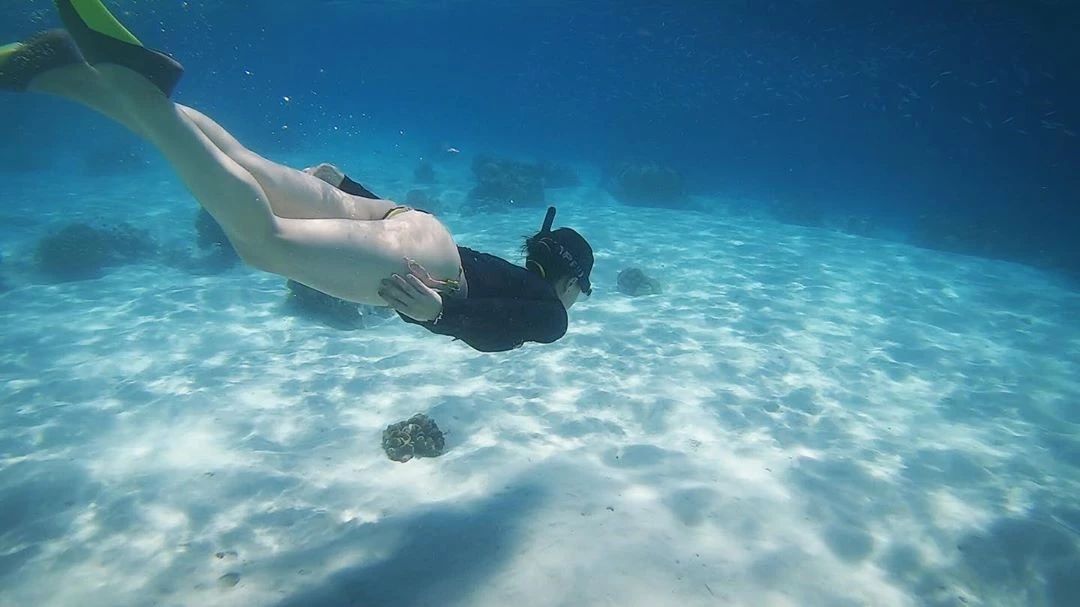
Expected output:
(415, 295)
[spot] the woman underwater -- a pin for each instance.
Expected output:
(337, 238)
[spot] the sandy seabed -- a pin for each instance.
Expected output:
(803, 417)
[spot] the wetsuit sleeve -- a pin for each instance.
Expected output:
(500, 324)
(351, 187)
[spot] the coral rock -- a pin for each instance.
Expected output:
(506, 183)
(417, 436)
(648, 185)
(634, 282)
(80, 251)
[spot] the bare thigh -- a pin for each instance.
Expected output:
(348, 258)
(292, 194)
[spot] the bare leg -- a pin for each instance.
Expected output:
(82, 84)
(343, 257)
(224, 188)
(292, 194)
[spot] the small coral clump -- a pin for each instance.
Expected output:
(80, 251)
(76, 252)
(417, 436)
(648, 184)
(634, 282)
(501, 183)
(505, 183)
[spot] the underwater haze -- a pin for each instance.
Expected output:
(832, 357)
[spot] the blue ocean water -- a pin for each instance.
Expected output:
(856, 384)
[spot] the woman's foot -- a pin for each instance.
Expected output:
(103, 39)
(328, 173)
(22, 62)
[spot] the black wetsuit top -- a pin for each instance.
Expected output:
(506, 306)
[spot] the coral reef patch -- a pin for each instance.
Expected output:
(634, 282)
(649, 184)
(81, 251)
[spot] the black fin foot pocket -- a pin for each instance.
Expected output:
(21, 62)
(103, 39)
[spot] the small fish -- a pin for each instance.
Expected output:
(1008, 120)
(966, 119)
(453, 151)
(843, 97)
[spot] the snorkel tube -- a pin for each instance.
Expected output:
(548, 220)
(543, 237)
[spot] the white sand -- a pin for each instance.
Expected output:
(802, 418)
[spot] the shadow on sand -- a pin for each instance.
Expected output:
(441, 557)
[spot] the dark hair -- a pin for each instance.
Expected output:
(558, 254)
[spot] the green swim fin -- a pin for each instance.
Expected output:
(103, 39)
(21, 62)
(9, 50)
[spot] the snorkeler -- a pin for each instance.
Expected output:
(337, 238)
